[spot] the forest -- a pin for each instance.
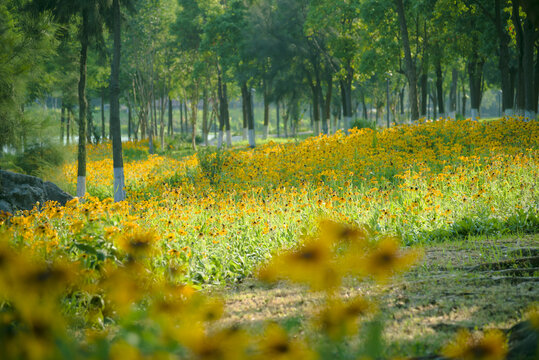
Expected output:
(269, 179)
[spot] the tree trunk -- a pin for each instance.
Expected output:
(346, 98)
(439, 88)
(286, 115)
(278, 115)
(327, 105)
(181, 116)
(226, 116)
(68, 125)
(115, 129)
(170, 118)
(316, 109)
(162, 120)
(408, 62)
(475, 73)
(364, 105)
(528, 46)
(537, 80)
(266, 112)
(503, 59)
(62, 124)
(103, 114)
(251, 119)
(194, 123)
(221, 109)
(245, 113)
(453, 94)
(129, 120)
(81, 156)
(520, 88)
(205, 107)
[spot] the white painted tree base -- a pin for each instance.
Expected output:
(529, 115)
(220, 140)
(347, 123)
(475, 114)
(266, 131)
(228, 138)
(81, 186)
(508, 113)
(453, 115)
(119, 184)
(252, 142)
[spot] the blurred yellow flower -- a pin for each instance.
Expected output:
(465, 346)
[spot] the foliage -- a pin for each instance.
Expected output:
(363, 124)
(37, 157)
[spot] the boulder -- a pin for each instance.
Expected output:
(22, 192)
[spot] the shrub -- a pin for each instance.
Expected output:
(37, 157)
(360, 123)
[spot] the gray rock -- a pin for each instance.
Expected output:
(22, 192)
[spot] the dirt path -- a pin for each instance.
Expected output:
(446, 291)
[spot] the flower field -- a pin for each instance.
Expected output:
(97, 279)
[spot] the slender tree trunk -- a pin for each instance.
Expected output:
(463, 102)
(103, 114)
(327, 105)
(439, 88)
(266, 112)
(162, 120)
(181, 116)
(129, 120)
(115, 129)
(401, 95)
(316, 109)
(205, 107)
(221, 109)
(528, 46)
(475, 73)
(226, 116)
(286, 116)
(89, 121)
(81, 156)
(244, 108)
(62, 124)
(278, 115)
(503, 59)
(520, 88)
(194, 109)
(68, 125)
(408, 62)
(251, 120)
(537, 80)
(453, 94)
(170, 118)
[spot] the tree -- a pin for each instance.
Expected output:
(90, 28)
(410, 69)
(26, 43)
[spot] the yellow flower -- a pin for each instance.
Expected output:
(533, 316)
(491, 346)
(230, 343)
(311, 263)
(343, 233)
(339, 319)
(276, 344)
(139, 244)
(387, 259)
